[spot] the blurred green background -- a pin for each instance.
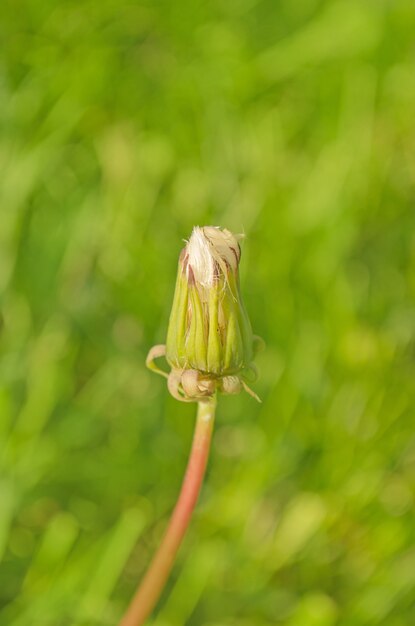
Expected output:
(122, 125)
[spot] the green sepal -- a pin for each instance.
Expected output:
(196, 339)
(177, 330)
(215, 347)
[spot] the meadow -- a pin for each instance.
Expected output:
(124, 124)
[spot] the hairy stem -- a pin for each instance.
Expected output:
(157, 574)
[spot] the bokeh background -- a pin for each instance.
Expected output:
(122, 125)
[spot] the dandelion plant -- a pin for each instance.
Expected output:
(209, 348)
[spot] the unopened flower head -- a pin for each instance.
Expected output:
(209, 340)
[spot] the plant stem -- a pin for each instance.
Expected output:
(156, 577)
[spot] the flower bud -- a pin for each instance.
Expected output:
(209, 340)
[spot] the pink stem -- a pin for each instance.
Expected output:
(154, 580)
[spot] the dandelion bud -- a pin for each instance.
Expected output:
(209, 340)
